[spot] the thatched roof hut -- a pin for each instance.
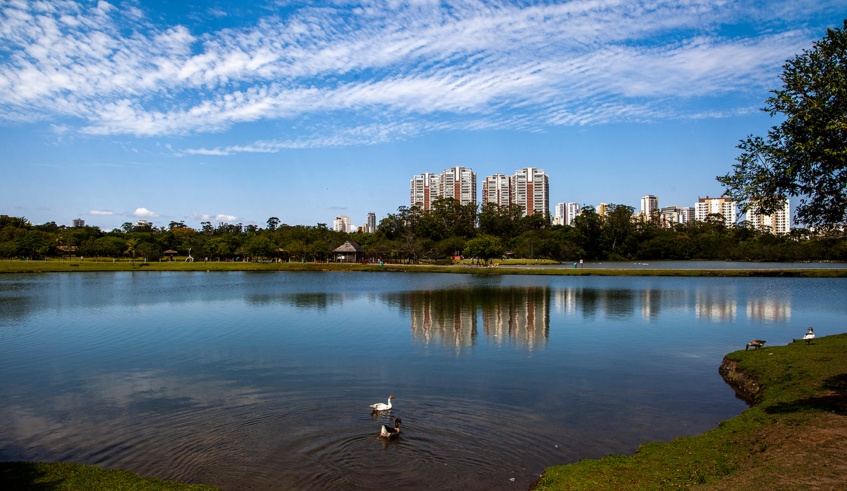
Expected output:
(348, 252)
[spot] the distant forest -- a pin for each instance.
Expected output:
(449, 229)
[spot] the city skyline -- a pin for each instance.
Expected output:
(115, 112)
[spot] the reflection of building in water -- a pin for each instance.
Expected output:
(565, 300)
(520, 315)
(444, 317)
(715, 305)
(651, 301)
(768, 309)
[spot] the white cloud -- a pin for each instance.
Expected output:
(144, 213)
(104, 213)
(212, 218)
(410, 68)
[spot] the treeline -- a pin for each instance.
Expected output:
(449, 229)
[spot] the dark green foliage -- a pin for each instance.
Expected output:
(806, 155)
(446, 231)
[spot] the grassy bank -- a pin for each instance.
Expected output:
(74, 265)
(32, 476)
(792, 438)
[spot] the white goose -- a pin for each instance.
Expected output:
(382, 407)
(809, 336)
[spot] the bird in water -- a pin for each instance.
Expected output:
(382, 407)
(810, 335)
(389, 432)
(756, 343)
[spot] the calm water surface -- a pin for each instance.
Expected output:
(263, 380)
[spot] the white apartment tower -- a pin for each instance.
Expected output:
(341, 224)
(371, 225)
(424, 190)
(649, 205)
(779, 223)
(725, 206)
(530, 188)
(572, 210)
(458, 183)
(496, 189)
(560, 210)
(677, 215)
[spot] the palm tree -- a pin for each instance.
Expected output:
(132, 247)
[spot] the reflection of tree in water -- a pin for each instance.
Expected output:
(518, 315)
(15, 310)
(311, 301)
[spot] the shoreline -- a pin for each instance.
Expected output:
(20, 267)
(791, 436)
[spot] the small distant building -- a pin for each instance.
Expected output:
(723, 206)
(649, 205)
(143, 223)
(79, 222)
(778, 223)
(371, 225)
(341, 224)
(572, 210)
(348, 252)
(677, 215)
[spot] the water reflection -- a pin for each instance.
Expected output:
(517, 316)
(767, 309)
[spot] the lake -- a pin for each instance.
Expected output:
(253, 381)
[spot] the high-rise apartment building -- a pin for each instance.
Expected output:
(424, 188)
(370, 227)
(530, 188)
(458, 183)
(572, 210)
(603, 210)
(496, 189)
(677, 215)
(778, 223)
(649, 205)
(723, 206)
(560, 210)
(341, 224)
(79, 222)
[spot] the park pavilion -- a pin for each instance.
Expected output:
(348, 252)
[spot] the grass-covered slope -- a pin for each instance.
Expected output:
(794, 437)
(33, 476)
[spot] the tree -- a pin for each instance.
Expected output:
(272, 223)
(806, 155)
(484, 247)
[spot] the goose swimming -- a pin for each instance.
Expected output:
(382, 407)
(389, 432)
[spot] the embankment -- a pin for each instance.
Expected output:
(791, 438)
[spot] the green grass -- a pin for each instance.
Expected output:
(763, 448)
(33, 476)
(74, 265)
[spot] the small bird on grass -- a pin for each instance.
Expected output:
(756, 343)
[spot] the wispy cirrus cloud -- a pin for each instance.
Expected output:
(103, 213)
(407, 68)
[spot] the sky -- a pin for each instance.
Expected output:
(240, 111)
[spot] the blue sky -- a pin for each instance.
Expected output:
(239, 111)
